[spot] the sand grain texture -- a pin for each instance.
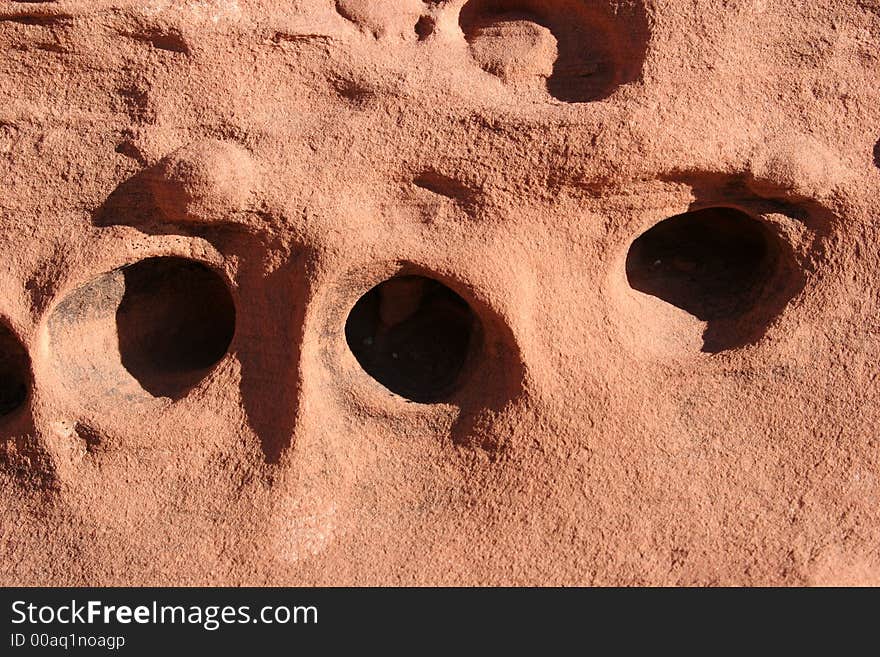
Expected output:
(632, 331)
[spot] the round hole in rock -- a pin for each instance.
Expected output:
(14, 372)
(877, 154)
(424, 27)
(712, 263)
(413, 335)
(176, 319)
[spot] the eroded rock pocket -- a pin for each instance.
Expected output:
(720, 265)
(414, 335)
(576, 51)
(175, 320)
(163, 322)
(14, 372)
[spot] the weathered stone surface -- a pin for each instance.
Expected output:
(646, 352)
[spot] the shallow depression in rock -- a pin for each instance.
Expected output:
(576, 51)
(709, 263)
(720, 265)
(413, 335)
(14, 372)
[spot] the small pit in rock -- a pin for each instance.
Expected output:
(716, 264)
(424, 27)
(414, 335)
(14, 372)
(158, 326)
(575, 51)
(175, 320)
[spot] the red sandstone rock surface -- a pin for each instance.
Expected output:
(403, 292)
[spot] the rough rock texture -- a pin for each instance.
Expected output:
(647, 352)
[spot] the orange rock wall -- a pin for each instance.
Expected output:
(447, 292)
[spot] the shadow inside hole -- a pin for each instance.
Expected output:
(413, 335)
(584, 52)
(877, 154)
(720, 265)
(175, 320)
(424, 27)
(14, 372)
